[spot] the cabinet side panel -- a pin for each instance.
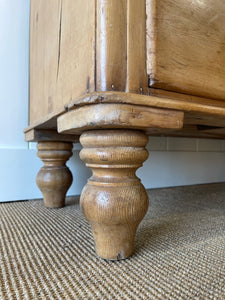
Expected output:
(186, 46)
(62, 54)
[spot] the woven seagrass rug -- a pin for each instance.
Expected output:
(179, 252)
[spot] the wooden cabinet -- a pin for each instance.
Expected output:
(85, 52)
(114, 72)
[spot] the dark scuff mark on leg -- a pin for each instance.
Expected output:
(60, 33)
(120, 255)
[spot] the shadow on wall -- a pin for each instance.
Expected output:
(80, 174)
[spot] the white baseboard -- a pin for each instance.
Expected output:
(165, 169)
(162, 169)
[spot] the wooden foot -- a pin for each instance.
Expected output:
(114, 201)
(54, 178)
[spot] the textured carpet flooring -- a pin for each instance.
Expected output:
(179, 254)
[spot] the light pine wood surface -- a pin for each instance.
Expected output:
(84, 52)
(114, 201)
(185, 46)
(118, 116)
(157, 98)
(54, 178)
(62, 55)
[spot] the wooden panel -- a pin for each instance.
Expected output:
(186, 46)
(198, 111)
(120, 46)
(118, 116)
(62, 56)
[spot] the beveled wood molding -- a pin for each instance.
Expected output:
(114, 201)
(42, 135)
(197, 110)
(158, 99)
(109, 116)
(54, 178)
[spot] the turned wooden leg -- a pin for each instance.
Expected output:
(114, 201)
(54, 178)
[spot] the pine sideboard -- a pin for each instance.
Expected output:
(110, 73)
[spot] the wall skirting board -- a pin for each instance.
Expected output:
(164, 168)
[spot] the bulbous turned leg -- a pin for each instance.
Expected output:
(114, 201)
(54, 178)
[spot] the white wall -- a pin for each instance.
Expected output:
(172, 161)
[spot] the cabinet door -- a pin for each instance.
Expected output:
(186, 46)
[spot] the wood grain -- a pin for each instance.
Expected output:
(42, 135)
(120, 46)
(137, 78)
(54, 178)
(111, 45)
(118, 116)
(206, 111)
(185, 46)
(163, 99)
(114, 201)
(62, 54)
